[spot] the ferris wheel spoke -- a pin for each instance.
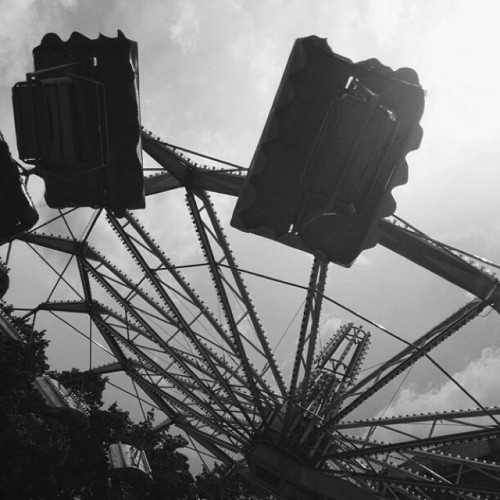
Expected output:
(181, 421)
(85, 256)
(126, 304)
(307, 341)
(416, 487)
(407, 466)
(309, 330)
(416, 478)
(203, 387)
(194, 361)
(380, 468)
(133, 289)
(179, 402)
(229, 414)
(369, 448)
(173, 309)
(167, 265)
(243, 293)
(488, 469)
(84, 278)
(155, 367)
(224, 300)
(188, 408)
(238, 383)
(451, 416)
(122, 279)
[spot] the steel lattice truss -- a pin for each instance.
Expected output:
(199, 353)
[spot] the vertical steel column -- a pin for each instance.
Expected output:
(307, 339)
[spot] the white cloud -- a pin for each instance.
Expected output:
(463, 73)
(479, 377)
(22, 25)
(267, 64)
(483, 240)
(233, 5)
(15, 52)
(186, 29)
(363, 260)
(329, 325)
(386, 17)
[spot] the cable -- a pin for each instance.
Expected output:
(55, 270)
(51, 220)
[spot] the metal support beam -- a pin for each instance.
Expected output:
(306, 342)
(437, 258)
(445, 416)
(175, 311)
(367, 449)
(243, 293)
(182, 172)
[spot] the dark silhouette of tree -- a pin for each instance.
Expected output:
(35, 444)
(220, 483)
(50, 454)
(87, 386)
(60, 454)
(172, 478)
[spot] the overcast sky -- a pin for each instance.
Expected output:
(209, 71)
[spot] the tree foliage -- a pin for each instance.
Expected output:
(220, 483)
(50, 454)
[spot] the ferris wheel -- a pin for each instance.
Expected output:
(158, 295)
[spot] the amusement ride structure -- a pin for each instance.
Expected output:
(188, 335)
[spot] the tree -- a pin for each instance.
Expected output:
(172, 479)
(220, 483)
(49, 454)
(34, 444)
(87, 386)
